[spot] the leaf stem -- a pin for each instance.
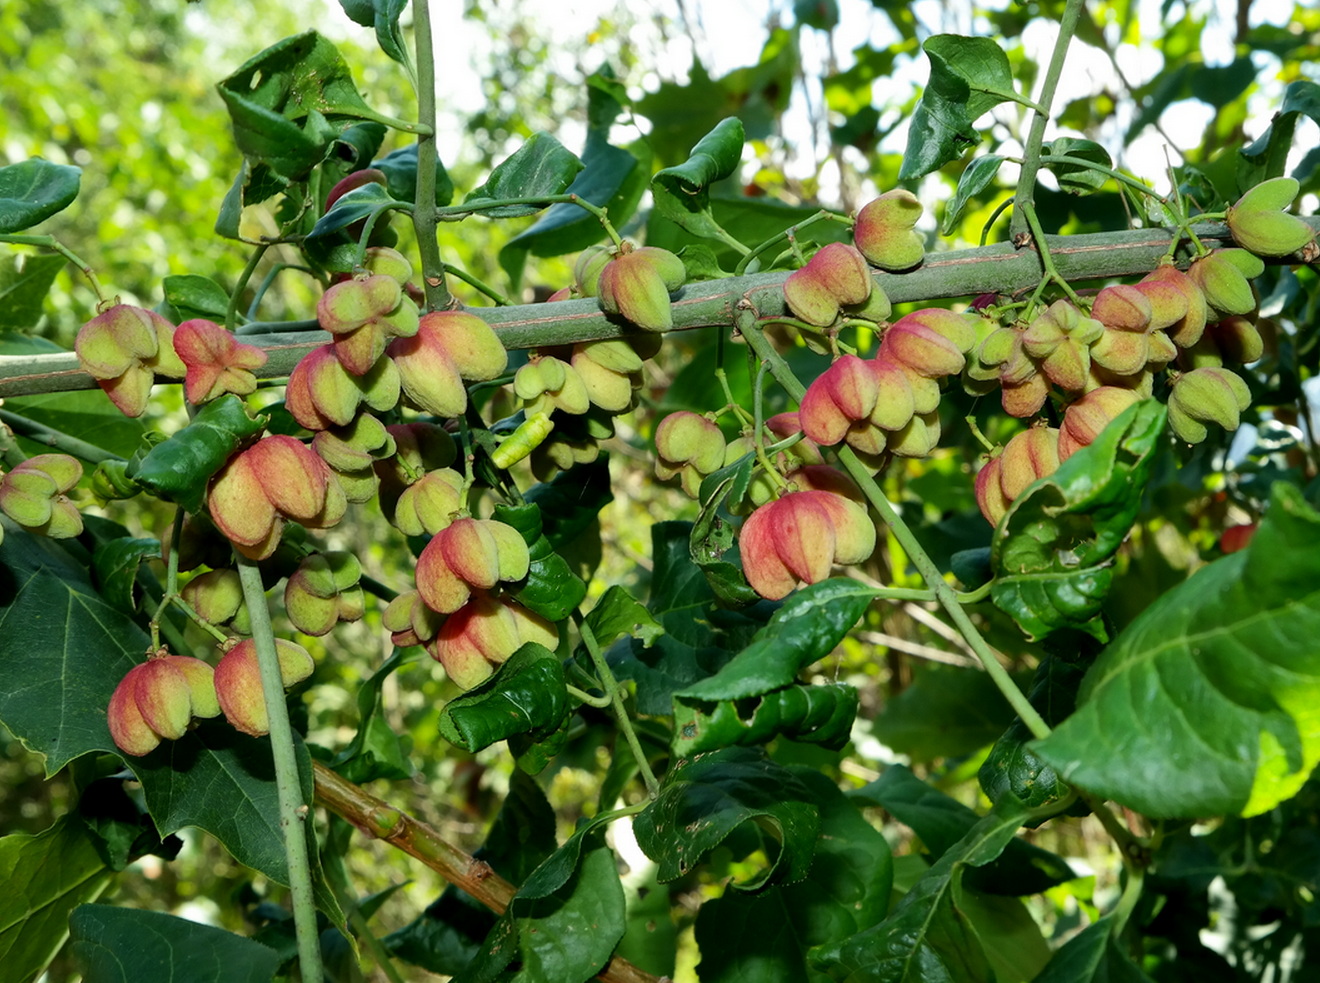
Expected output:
(611, 686)
(231, 311)
(474, 282)
(944, 592)
(425, 212)
(1025, 198)
(50, 242)
(293, 811)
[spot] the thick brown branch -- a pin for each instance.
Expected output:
(379, 819)
(960, 273)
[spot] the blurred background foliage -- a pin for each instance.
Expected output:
(126, 90)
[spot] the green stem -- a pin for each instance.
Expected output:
(474, 282)
(1109, 172)
(582, 696)
(424, 212)
(791, 232)
(268, 280)
(293, 810)
(57, 439)
(611, 686)
(50, 242)
(1026, 189)
(944, 593)
(231, 312)
(1046, 260)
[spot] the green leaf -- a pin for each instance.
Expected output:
(280, 102)
(1052, 553)
(570, 503)
(712, 536)
(559, 937)
(1078, 178)
(448, 934)
(354, 206)
(25, 280)
(704, 799)
(945, 712)
(682, 192)
(1093, 956)
(975, 178)
(116, 563)
(821, 714)
(527, 695)
(1267, 157)
(540, 168)
(1013, 768)
(618, 614)
(376, 751)
(806, 627)
(195, 296)
(33, 190)
(968, 77)
(400, 170)
(127, 945)
(941, 821)
(612, 177)
(766, 935)
(928, 938)
(179, 469)
(383, 15)
(1206, 703)
(46, 877)
(699, 637)
(64, 651)
(552, 589)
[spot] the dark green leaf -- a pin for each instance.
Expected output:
(195, 296)
(969, 76)
(806, 627)
(1078, 178)
(354, 206)
(564, 936)
(179, 469)
(355, 147)
(62, 647)
(376, 751)
(945, 712)
(115, 564)
(552, 589)
(1267, 157)
(46, 877)
(526, 695)
(1052, 553)
(25, 280)
(704, 799)
(280, 101)
(1205, 704)
(570, 503)
(975, 178)
(712, 536)
(820, 714)
(400, 170)
(941, 822)
(617, 615)
(682, 192)
(1093, 956)
(33, 190)
(611, 177)
(928, 938)
(699, 637)
(130, 945)
(541, 167)
(846, 892)
(1012, 767)
(383, 15)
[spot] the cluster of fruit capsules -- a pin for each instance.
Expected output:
(1102, 360)
(35, 494)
